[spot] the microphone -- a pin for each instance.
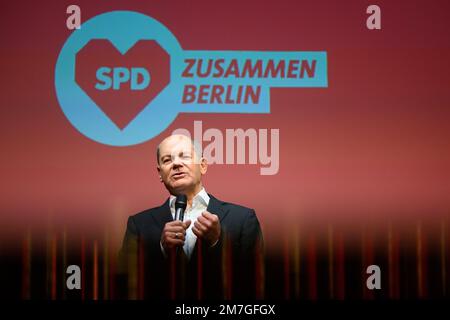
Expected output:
(180, 207)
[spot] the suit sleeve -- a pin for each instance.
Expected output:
(129, 251)
(251, 237)
(127, 258)
(249, 259)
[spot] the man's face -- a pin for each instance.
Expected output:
(179, 166)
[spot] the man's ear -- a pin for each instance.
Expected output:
(159, 172)
(203, 165)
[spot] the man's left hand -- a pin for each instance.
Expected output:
(207, 227)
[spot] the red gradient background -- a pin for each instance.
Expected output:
(374, 144)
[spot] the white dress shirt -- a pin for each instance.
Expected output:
(199, 204)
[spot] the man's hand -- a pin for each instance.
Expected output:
(207, 227)
(174, 234)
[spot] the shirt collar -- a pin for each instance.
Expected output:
(201, 196)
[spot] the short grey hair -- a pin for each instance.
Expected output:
(197, 147)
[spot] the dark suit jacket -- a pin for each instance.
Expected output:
(230, 269)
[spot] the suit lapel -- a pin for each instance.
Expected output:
(217, 207)
(163, 214)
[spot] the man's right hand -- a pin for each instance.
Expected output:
(174, 234)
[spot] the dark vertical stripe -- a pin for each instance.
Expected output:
(286, 261)
(26, 265)
(106, 266)
(340, 267)
(95, 271)
(54, 271)
(312, 265)
(443, 254)
(330, 262)
(64, 263)
(367, 258)
(297, 262)
(83, 268)
(393, 262)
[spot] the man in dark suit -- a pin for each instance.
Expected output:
(216, 252)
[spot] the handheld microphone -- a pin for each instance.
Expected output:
(180, 207)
